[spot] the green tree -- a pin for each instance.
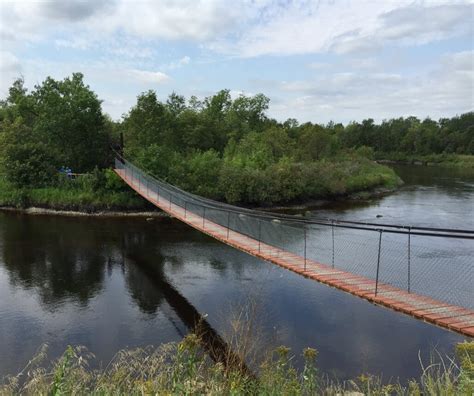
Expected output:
(24, 161)
(148, 123)
(58, 123)
(70, 122)
(315, 142)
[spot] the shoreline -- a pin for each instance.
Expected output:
(302, 206)
(36, 211)
(453, 162)
(321, 202)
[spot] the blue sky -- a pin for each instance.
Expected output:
(318, 61)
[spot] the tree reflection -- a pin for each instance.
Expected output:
(58, 257)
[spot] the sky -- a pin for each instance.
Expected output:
(318, 61)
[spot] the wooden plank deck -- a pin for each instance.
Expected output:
(455, 318)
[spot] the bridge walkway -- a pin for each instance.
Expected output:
(452, 317)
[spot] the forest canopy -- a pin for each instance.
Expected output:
(221, 147)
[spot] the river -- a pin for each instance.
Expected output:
(111, 283)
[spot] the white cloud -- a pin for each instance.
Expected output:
(185, 60)
(193, 20)
(414, 24)
(123, 45)
(146, 77)
(10, 69)
(303, 27)
(76, 43)
(247, 29)
(445, 91)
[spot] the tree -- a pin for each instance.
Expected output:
(24, 161)
(69, 120)
(176, 104)
(315, 142)
(147, 123)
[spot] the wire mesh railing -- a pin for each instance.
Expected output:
(434, 262)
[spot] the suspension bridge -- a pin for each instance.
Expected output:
(388, 265)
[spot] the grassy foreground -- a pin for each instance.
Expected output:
(184, 369)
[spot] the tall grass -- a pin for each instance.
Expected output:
(80, 194)
(185, 369)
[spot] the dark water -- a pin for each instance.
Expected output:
(431, 196)
(114, 283)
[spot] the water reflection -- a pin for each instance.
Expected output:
(60, 262)
(151, 273)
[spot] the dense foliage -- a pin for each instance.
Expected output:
(58, 123)
(229, 149)
(220, 147)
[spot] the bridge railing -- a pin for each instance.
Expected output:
(434, 262)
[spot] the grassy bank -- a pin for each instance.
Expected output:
(465, 162)
(184, 369)
(298, 183)
(88, 193)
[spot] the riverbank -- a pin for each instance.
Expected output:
(185, 368)
(465, 162)
(79, 196)
(70, 213)
(103, 193)
(92, 211)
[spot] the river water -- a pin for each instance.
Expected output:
(112, 283)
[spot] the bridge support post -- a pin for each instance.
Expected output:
(259, 233)
(185, 208)
(332, 232)
(228, 224)
(409, 259)
(171, 198)
(304, 230)
(203, 217)
(378, 263)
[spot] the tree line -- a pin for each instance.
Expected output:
(220, 147)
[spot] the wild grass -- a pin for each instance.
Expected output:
(79, 194)
(184, 368)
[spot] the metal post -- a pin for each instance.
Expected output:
(304, 229)
(203, 216)
(171, 198)
(378, 263)
(332, 231)
(228, 224)
(259, 233)
(409, 258)
(158, 194)
(185, 208)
